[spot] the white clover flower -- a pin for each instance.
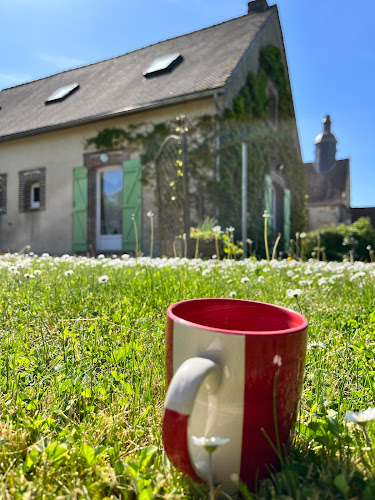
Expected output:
(114, 256)
(357, 275)
(216, 229)
(103, 279)
(293, 293)
(368, 247)
(302, 235)
(289, 273)
(214, 256)
(101, 256)
(260, 279)
(37, 271)
(230, 229)
(245, 279)
(277, 360)
(173, 198)
(232, 294)
(70, 271)
(322, 281)
(360, 417)
(209, 444)
(310, 345)
(125, 256)
(206, 271)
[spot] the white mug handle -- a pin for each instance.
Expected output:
(179, 404)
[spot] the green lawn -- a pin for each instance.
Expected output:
(82, 373)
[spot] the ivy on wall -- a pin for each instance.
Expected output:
(246, 121)
(267, 147)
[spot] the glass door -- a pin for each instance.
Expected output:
(109, 209)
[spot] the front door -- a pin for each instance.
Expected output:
(109, 184)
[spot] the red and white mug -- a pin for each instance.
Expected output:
(228, 363)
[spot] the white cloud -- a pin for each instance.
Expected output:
(62, 62)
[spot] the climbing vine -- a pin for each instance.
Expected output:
(214, 151)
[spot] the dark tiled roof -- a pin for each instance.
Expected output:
(116, 85)
(357, 213)
(327, 187)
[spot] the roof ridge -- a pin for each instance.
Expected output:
(271, 7)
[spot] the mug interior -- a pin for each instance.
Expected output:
(237, 316)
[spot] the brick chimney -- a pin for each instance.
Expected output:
(257, 6)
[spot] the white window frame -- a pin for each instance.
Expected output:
(34, 203)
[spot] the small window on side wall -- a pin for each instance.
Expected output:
(3, 193)
(35, 195)
(273, 104)
(32, 190)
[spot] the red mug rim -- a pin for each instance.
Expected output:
(302, 321)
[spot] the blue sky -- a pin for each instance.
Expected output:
(329, 43)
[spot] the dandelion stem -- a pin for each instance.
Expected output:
(275, 246)
(275, 415)
(217, 247)
(210, 478)
(136, 235)
(197, 247)
(266, 238)
(368, 441)
(152, 237)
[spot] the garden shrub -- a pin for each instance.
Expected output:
(338, 241)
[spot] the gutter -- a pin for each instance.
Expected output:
(128, 110)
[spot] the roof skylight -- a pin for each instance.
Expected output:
(163, 64)
(62, 92)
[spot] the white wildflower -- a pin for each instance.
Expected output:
(245, 279)
(277, 360)
(360, 417)
(150, 214)
(293, 293)
(67, 273)
(103, 279)
(232, 294)
(209, 444)
(260, 279)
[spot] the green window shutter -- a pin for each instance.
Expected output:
(268, 199)
(80, 209)
(286, 219)
(132, 204)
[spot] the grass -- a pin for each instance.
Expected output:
(82, 374)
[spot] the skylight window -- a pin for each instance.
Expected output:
(62, 92)
(163, 64)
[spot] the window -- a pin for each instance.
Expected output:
(32, 190)
(35, 195)
(273, 104)
(3, 193)
(62, 92)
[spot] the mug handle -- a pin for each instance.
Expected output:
(179, 404)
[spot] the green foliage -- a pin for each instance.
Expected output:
(339, 241)
(246, 122)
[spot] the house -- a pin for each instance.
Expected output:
(62, 192)
(328, 183)
(328, 186)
